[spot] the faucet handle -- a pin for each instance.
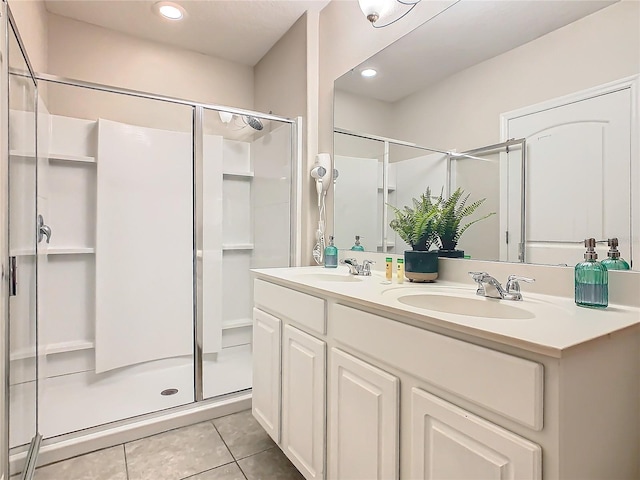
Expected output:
(514, 286)
(478, 276)
(366, 266)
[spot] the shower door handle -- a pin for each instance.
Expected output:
(43, 230)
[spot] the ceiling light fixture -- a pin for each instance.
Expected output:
(170, 11)
(368, 73)
(382, 13)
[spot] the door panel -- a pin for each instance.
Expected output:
(450, 443)
(303, 376)
(577, 176)
(364, 399)
(23, 307)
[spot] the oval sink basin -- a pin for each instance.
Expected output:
(330, 277)
(473, 307)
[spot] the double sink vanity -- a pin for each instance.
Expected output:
(358, 378)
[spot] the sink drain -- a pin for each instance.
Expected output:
(169, 391)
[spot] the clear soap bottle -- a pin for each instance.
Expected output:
(613, 261)
(591, 279)
(357, 245)
(331, 255)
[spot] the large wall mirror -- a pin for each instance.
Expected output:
(531, 105)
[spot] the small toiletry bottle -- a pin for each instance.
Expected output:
(357, 245)
(331, 255)
(389, 268)
(613, 261)
(591, 277)
(400, 271)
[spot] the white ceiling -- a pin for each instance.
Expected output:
(242, 31)
(468, 33)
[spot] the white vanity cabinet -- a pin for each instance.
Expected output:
(449, 442)
(289, 371)
(303, 404)
(364, 419)
(402, 398)
(265, 403)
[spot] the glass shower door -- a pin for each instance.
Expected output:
(23, 252)
(243, 185)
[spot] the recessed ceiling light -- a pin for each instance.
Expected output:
(368, 73)
(170, 10)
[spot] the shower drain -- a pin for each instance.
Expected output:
(169, 391)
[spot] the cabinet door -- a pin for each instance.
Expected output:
(265, 404)
(448, 442)
(364, 420)
(303, 399)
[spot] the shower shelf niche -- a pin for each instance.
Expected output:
(237, 246)
(54, 157)
(247, 175)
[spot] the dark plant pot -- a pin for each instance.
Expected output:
(421, 266)
(451, 253)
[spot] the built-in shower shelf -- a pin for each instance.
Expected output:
(236, 323)
(61, 157)
(54, 157)
(20, 154)
(64, 347)
(69, 250)
(52, 349)
(21, 252)
(237, 174)
(237, 246)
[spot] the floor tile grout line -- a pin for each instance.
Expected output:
(208, 470)
(126, 463)
(256, 453)
(242, 471)
(223, 441)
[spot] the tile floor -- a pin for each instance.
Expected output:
(234, 447)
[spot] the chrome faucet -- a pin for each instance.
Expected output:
(490, 287)
(355, 269)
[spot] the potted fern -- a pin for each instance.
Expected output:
(417, 226)
(453, 211)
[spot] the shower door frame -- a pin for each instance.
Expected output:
(295, 195)
(9, 273)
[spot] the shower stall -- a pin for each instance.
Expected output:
(133, 223)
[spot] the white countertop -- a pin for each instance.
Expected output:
(557, 324)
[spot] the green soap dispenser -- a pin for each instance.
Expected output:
(357, 245)
(591, 279)
(613, 261)
(331, 255)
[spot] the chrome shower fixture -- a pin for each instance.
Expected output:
(253, 122)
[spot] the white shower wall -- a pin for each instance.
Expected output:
(256, 179)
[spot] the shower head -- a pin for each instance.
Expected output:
(253, 122)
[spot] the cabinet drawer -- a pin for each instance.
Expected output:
(508, 385)
(284, 302)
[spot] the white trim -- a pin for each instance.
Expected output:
(622, 84)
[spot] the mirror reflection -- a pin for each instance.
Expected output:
(559, 78)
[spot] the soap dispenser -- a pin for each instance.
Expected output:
(331, 255)
(591, 279)
(357, 245)
(613, 261)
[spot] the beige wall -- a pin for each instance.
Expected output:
(86, 52)
(362, 114)
(463, 111)
(31, 19)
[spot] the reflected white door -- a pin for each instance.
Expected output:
(577, 176)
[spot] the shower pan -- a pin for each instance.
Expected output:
(121, 324)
